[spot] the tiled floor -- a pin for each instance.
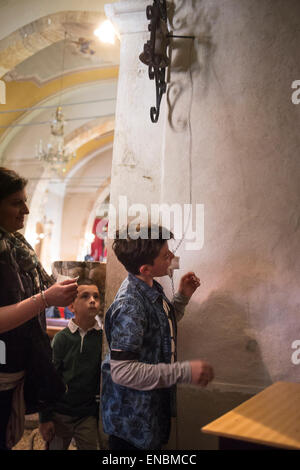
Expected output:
(32, 440)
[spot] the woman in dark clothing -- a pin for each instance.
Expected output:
(27, 379)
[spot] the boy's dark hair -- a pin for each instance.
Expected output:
(10, 182)
(133, 252)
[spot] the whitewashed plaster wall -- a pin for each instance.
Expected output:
(242, 130)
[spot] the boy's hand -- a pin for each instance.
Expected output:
(188, 284)
(202, 373)
(47, 430)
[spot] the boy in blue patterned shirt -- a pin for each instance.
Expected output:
(140, 373)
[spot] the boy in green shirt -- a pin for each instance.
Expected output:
(77, 357)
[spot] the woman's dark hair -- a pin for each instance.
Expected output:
(10, 182)
(133, 252)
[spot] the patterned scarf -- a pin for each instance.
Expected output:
(23, 258)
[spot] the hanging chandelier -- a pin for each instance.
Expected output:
(55, 154)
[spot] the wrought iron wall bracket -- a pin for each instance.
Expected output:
(155, 50)
(160, 86)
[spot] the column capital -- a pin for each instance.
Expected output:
(128, 16)
(2, 92)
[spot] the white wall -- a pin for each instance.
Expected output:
(244, 140)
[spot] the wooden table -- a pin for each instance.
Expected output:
(269, 419)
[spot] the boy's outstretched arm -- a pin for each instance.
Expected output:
(141, 376)
(189, 283)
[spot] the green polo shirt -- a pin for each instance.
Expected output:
(77, 357)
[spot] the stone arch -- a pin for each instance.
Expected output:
(89, 131)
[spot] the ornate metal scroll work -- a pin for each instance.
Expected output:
(155, 51)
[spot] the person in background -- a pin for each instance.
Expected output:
(27, 377)
(68, 313)
(140, 372)
(52, 312)
(77, 357)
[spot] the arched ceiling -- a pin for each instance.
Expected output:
(16, 14)
(49, 56)
(45, 37)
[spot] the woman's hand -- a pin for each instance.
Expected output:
(58, 295)
(61, 294)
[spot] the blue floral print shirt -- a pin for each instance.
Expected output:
(136, 323)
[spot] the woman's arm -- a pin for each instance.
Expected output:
(60, 295)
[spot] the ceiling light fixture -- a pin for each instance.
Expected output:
(55, 154)
(106, 32)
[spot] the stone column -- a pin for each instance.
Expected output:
(138, 146)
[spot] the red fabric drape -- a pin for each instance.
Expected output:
(97, 245)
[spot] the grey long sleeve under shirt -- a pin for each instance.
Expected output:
(141, 376)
